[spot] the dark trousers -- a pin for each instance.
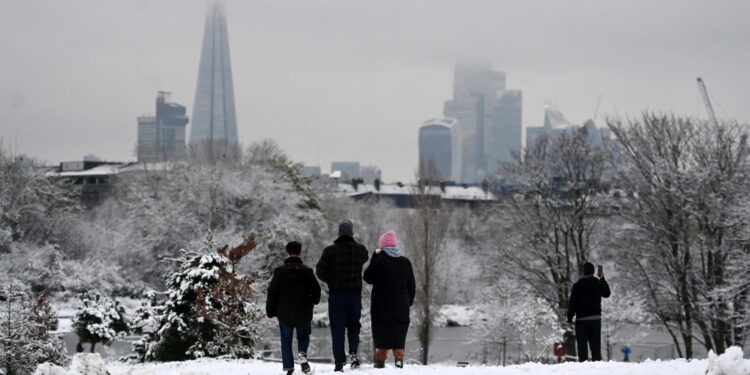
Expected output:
(344, 312)
(303, 341)
(589, 334)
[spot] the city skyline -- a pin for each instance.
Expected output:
(489, 123)
(308, 75)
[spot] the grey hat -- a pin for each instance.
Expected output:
(346, 228)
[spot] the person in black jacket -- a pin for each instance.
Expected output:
(586, 305)
(340, 267)
(393, 291)
(291, 295)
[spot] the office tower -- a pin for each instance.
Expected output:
(554, 123)
(146, 139)
(435, 146)
(214, 119)
(505, 130)
(370, 173)
(311, 170)
(348, 169)
(489, 121)
(162, 137)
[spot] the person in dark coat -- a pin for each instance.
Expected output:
(393, 291)
(291, 295)
(340, 267)
(586, 305)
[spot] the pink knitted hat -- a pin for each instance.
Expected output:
(388, 239)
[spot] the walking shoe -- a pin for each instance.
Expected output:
(302, 358)
(399, 362)
(379, 364)
(354, 360)
(339, 367)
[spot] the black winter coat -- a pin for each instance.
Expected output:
(586, 297)
(292, 293)
(393, 291)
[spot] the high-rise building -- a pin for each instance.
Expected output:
(214, 118)
(554, 123)
(146, 139)
(505, 131)
(435, 146)
(370, 173)
(489, 121)
(348, 169)
(311, 170)
(162, 137)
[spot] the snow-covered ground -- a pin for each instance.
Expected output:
(729, 363)
(212, 366)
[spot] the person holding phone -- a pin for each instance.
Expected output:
(586, 306)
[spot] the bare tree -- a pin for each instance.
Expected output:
(543, 231)
(425, 229)
(690, 177)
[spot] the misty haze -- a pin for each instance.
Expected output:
(278, 187)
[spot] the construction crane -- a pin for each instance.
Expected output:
(596, 110)
(707, 101)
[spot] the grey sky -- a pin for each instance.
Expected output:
(353, 80)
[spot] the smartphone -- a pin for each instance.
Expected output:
(600, 268)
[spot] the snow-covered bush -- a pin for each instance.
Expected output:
(511, 314)
(625, 313)
(47, 267)
(210, 309)
(156, 212)
(25, 340)
(99, 320)
(29, 202)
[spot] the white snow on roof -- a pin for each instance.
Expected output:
(112, 169)
(107, 169)
(142, 167)
(451, 192)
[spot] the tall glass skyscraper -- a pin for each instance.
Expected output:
(214, 118)
(489, 121)
(435, 146)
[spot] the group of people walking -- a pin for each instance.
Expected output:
(294, 290)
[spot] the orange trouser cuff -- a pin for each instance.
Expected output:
(382, 354)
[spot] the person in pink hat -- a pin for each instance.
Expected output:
(393, 291)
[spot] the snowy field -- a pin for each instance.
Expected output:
(211, 366)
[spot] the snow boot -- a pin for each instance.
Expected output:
(379, 364)
(354, 360)
(399, 361)
(339, 367)
(290, 372)
(302, 358)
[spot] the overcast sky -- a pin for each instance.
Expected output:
(354, 79)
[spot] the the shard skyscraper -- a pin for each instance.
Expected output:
(214, 119)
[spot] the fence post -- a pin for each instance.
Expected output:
(505, 341)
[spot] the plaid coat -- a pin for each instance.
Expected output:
(340, 266)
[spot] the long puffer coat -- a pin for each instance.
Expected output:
(393, 290)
